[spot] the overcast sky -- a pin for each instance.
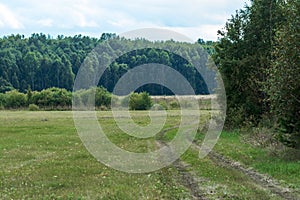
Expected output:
(194, 18)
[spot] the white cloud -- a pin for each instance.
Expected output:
(82, 21)
(45, 22)
(206, 31)
(8, 18)
(196, 18)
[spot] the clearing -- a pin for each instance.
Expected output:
(42, 157)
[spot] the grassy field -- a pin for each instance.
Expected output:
(42, 157)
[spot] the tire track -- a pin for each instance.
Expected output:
(191, 181)
(262, 180)
(187, 178)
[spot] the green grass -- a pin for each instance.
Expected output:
(42, 157)
(223, 182)
(232, 145)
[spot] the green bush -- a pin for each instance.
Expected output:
(103, 108)
(52, 98)
(237, 116)
(102, 97)
(2, 100)
(15, 99)
(158, 107)
(33, 107)
(174, 105)
(141, 101)
(93, 97)
(163, 104)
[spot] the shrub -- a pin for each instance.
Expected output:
(15, 99)
(174, 105)
(52, 97)
(93, 97)
(2, 100)
(103, 108)
(33, 107)
(158, 107)
(102, 97)
(141, 101)
(163, 104)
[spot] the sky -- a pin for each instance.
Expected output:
(193, 18)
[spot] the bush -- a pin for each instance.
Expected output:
(102, 97)
(98, 97)
(163, 104)
(174, 105)
(141, 101)
(33, 107)
(236, 118)
(52, 98)
(103, 108)
(15, 99)
(2, 100)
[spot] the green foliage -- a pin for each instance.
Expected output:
(15, 99)
(33, 107)
(258, 57)
(42, 62)
(5, 86)
(283, 86)
(243, 55)
(98, 97)
(102, 97)
(170, 58)
(2, 100)
(174, 104)
(52, 98)
(141, 101)
(163, 104)
(55, 99)
(29, 96)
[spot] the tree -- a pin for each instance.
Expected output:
(29, 96)
(283, 86)
(243, 56)
(43, 62)
(5, 85)
(31, 64)
(107, 36)
(201, 41)
(102, 97)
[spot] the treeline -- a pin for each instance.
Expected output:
(258, 57)
(60, 99)
(152, 55)
(40, 62)
(53, 99)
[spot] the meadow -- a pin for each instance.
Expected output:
(42, 157)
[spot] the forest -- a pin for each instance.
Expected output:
(40, 62)
(258, 57)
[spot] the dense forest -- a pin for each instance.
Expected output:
(258, 57)
(40, 62)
